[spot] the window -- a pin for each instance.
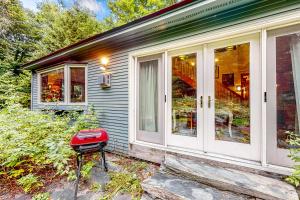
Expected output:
(52, 88)
(77, 84)
(53, 84)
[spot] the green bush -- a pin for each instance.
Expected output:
(122, 182)
(294, 142)
(32, 141)
(29, 182)
(41, 196)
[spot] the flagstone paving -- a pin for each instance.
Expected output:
(165, 186)
(231, 180)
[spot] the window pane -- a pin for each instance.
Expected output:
(232, 91)
(148, 96)
(77, 84)
(52, 88)
(184, 94)
(288, 86)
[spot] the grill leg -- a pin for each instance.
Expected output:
(79, 163)
(103, 160)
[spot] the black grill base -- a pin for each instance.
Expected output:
(81, 150)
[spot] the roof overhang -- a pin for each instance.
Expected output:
(179, 13)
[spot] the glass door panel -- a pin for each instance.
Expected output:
(232, 81)
(148, 96)
(184, 94)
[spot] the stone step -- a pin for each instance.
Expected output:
(170, 187)
(231, 179)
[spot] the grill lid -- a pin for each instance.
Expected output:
(90, 136)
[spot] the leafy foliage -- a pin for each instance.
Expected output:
(123, 182)
(128, 180)
(61, 27)
(18, 36)
(29, 182)
(32, 141)
(124, 11)
(294, 142)
(15, 89)
(86, 169)
(42, 196)
(95, 187)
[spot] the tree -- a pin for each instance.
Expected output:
(61, 27)
(124, 11)
(17, 36)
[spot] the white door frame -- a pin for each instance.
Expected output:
(240, 150)
(275, 155)
(187, 142)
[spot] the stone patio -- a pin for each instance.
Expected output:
(192, 180)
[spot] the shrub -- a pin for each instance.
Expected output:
(15, 89)
(41, 196)
(86, 169)
(32, 141)
(294, 142)
(29, 182)
(122, 182)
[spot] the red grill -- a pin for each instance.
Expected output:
(88, 141)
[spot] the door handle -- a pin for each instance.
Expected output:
(209, 101)
(201, 101)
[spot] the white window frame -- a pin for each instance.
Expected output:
(67, 84)
(68, 90)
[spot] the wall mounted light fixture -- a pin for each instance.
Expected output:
(104, 62)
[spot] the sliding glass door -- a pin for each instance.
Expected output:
(283, 89)
(150, 99)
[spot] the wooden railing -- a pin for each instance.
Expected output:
(224, 92)
(186, 72)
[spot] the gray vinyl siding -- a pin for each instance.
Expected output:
(34, 92)
(111, 105)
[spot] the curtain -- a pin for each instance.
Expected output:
(148, 96)
(295, 55)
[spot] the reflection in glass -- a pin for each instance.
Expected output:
(77, 84)
(184, 104)
(52, 86)
(232, 89)
(288, 86)
(148, 96)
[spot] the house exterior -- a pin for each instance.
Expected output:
(215, 79)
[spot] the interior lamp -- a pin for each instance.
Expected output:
(104, 62)
(238, 88)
